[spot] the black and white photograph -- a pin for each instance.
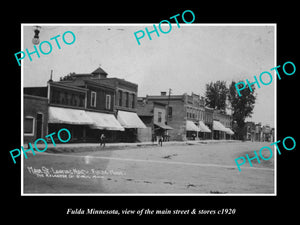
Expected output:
(149, 109)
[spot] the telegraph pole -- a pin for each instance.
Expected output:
(170, 92)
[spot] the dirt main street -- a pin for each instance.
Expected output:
(171, 169)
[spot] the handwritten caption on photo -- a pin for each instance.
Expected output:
(45, 172)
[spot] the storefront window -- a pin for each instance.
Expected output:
(28, 126)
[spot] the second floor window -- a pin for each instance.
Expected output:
(120, 98)
(93, 99)
(108, 102)
(170, 112)
(127, 99)
(159, 117)
(133, 101)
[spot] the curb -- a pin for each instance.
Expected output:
(65, 148)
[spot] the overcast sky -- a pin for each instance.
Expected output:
(185, 59)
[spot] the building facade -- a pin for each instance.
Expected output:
(154, 116)
(208, 119)
(87, 105)
(185, 114)
(35, 119)
(222, 125)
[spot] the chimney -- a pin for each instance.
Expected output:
(163, 93)
(50, 80)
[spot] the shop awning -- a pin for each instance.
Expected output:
(203, 127)
(104, 121)
(191, 126)
(164, 126)
(219, 126)
(130, 120)
(229, 131)
(68, 116)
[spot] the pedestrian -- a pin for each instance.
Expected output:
(160, 140)
(194, 136)
(102, 140)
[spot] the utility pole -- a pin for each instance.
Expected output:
(168, 109)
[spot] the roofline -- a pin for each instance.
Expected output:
(165, 97)
(35, 96)
(58, 83)
(119, 79)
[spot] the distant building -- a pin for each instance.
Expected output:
(267, 133)
(185, 114)
(208, 120)
(257, 132)
(222, 125)
(154, 116)
(249, 131)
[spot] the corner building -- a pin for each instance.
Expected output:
(185, 114)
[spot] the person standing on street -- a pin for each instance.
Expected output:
(102, 140)
(160, 140)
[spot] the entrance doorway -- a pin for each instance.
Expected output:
(39, 125)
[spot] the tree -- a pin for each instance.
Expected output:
(216, 95)
(242, 106)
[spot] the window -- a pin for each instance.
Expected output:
(81, 100)
(127, 99)
(39, 125)
(93, 99)
(120, 97)
(133, 101)
(170, 111)
(29, 126)
(159, 117)
(108, 102)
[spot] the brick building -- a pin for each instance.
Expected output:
(185, 115)
(35, 117)
(89, 105)
(208, 119)
(222, 125)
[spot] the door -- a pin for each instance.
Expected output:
(39, 125)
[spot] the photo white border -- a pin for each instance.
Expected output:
(149, 194)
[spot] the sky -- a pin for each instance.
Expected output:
(185, 59)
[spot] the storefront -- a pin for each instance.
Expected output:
(131, 122)
(161, 130)
(85, 126)
(75, 120)
(103, 123)
(219, 130)
(204, 131)
(191, 130)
